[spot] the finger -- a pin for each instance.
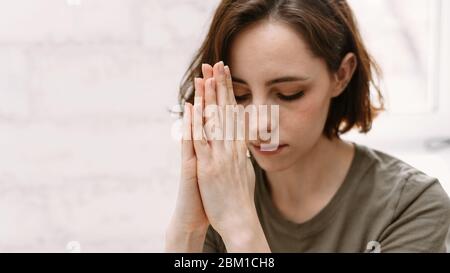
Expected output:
(187, 147)
(213, 128)
(207, 71)
(210, 92)
(239, 129)
(201, 146)
(237, 125)
(229, 84)
(197, 111)
(221, 87)
(199, 138)
(210, 106)
(199, 91)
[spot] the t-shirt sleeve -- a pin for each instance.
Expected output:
(213, 242)
(421, 219)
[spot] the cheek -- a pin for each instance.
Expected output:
(304, 118)
(296, 124)
(315, 107)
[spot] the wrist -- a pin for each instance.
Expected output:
(245, 236)
(178, 224)
(179, 240)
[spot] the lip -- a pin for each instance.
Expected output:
(280, 148)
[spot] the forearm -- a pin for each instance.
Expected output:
(179, 241)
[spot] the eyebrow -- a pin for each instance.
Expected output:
(275, 81)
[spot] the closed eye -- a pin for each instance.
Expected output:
(280, 96)
(242, 98)
(291, 97)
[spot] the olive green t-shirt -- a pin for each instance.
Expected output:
(383, 205)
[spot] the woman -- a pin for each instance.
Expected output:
(315, 192)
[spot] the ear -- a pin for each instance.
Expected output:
(343, 76)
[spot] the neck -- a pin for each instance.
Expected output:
(317, 174)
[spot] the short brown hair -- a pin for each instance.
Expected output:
(328, 26)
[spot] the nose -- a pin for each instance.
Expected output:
(263, 120)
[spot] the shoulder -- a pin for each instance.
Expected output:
(389, 173)
(417, 203)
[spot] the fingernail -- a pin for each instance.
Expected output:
(221, 67)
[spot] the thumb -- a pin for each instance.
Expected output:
(187, 146)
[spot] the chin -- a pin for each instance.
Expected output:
(273, 164)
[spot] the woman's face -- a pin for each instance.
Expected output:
(272, 65)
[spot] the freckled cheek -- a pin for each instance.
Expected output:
(305, 121)
(315, 107)
(294, 123)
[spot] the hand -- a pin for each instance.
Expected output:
(225, 174)
(189, 214)
(187, 229)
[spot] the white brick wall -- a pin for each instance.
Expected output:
(86, 152)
